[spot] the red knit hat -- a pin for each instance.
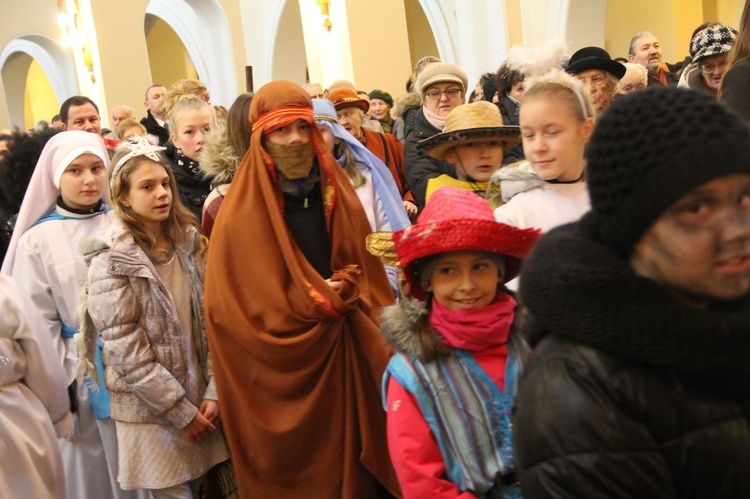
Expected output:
(456, 219)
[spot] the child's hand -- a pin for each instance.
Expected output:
(210, 409)
(198, 429)
(335, 285)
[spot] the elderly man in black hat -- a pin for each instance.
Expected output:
(599, 73)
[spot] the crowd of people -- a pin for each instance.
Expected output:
(541, 292)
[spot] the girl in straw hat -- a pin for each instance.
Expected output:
(549, 189)
(64, 205)
(451, 384)
(474, 140)
(144, 295)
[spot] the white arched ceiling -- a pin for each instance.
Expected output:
(14, 64)
(285, 47)
(202, 27)
(444, 39)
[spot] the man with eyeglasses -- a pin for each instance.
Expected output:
(709, 49)
(442, 86)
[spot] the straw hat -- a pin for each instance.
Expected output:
(456, 219)
(466, 123)
(346, 97)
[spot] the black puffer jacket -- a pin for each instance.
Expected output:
(193, 184)
(629, 392)
(418, 166)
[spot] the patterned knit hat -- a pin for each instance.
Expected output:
(382, 95)
(714, 40)
(442, 72)
(456, 219)
(651, 148)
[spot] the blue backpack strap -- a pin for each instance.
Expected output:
(401, 369)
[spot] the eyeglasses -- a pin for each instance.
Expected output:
(710, 68)
(451, 93)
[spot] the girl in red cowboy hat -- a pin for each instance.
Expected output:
(450, 386)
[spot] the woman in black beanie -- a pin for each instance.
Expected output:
(639, 314)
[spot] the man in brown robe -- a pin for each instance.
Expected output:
(291, 303)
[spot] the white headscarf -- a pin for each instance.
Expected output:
(44, 186)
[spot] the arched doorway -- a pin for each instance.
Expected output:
(421, 36)
(438, 22)
(287, 46)
(15, 62)
(203, 30)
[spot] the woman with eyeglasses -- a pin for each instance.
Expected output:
(442, 86)
(734, 86)
(709, 49)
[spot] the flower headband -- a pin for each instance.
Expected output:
(139, 147)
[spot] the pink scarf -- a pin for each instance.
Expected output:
(475, 330)
(434, 119)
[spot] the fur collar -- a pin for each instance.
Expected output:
(219, 160)
(398, 324)
(516, 178)
(404, 103)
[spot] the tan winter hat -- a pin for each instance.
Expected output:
(466, 123)
(441, 72)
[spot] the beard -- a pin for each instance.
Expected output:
(293, 162)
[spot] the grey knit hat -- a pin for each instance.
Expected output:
(651, 148)
(441, 72)
(714, 40)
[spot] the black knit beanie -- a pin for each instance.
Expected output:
(649, 149)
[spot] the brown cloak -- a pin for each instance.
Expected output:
(298, 366)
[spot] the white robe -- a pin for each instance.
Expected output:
(50, 267)
(33, 401)
(545, 207)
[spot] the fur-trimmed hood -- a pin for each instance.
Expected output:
(516, 179)
(219, 160)
(404, 103)
(398, 323)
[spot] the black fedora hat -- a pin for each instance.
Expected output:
(594, 58)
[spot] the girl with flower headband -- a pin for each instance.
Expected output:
(144, 295)
(549, 188)
(291, 304)
(64, 205)
(450, 387)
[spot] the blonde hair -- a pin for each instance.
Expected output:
(174, 226)
(129, 123)
(185, 95)
(560, 84)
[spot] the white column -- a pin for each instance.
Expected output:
(481, 37)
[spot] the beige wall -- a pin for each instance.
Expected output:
(40, 100)
(673, 21)
(168, 59)
(36, 16)
(122, 64)
(421, 39)
(379, 61)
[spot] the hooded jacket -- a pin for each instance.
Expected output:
(144, 351)
(219, 162)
